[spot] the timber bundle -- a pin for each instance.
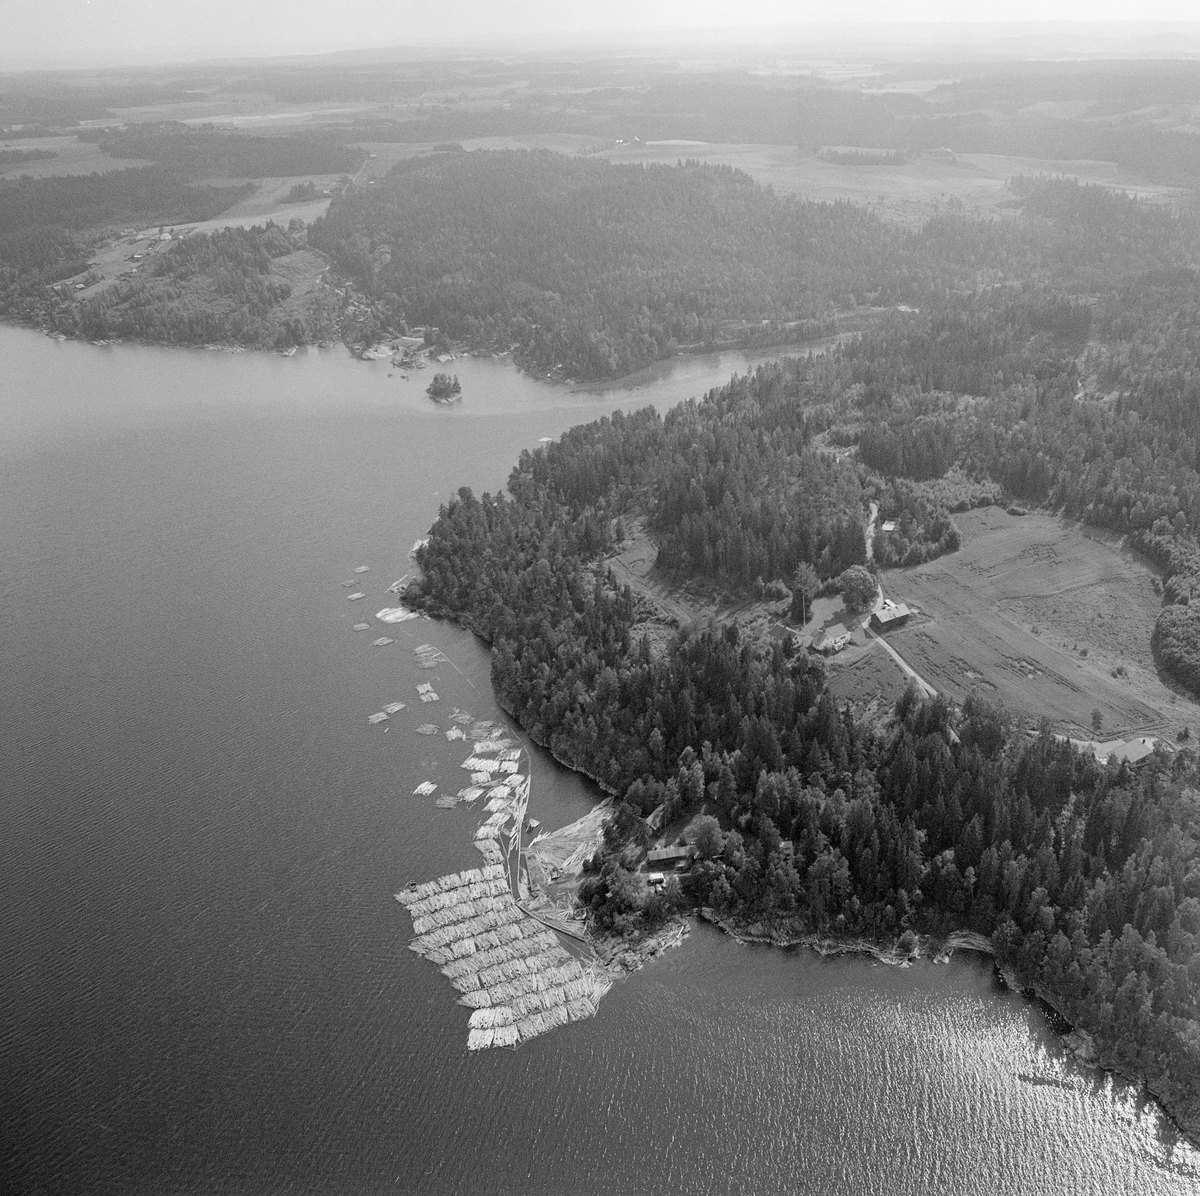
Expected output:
(512, 971)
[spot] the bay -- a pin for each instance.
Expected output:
(205, 986)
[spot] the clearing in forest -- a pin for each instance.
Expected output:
(1049, 617)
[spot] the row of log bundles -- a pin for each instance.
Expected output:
(524, 945)
(460, 949)
(462, 911)
(505, 991)
(490, 850)
(454, 880)
(478, 1040)
(474, 926)
(496, 887)
(535, 949)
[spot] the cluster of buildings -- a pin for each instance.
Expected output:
(835, 637)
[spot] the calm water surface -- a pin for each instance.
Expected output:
(204, 984)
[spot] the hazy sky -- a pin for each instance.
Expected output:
(81, 31)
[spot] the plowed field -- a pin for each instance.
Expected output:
(1051, 618)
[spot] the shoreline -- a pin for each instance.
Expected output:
(631, 955)
(1080, 1045)
(631, 381)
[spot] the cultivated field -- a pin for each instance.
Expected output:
(72, 156)
(906, 193)
(1050, 618)
(870, 680)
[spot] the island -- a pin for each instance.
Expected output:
(444, 388)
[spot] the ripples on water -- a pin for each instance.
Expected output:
(205, 984)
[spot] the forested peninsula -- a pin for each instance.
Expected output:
(1071, 392)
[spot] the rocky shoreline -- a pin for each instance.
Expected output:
(1082, 1046)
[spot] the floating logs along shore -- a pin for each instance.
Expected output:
(514, 974)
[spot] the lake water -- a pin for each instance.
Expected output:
(204, 986)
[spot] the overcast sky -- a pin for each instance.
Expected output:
(106, 31)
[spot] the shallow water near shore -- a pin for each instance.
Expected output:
(205, 981)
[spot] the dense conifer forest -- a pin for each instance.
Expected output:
(1072, 392)
(595, 270)
(208, 152)
(1084, 877)
(598, 270)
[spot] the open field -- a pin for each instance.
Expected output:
(71, 157)
(1048, 617)
(114, 258)
(388, 153)
(870, 681)
(906, 193)
(267, 203)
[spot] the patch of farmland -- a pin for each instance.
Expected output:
(871, 682)
(1050, 618)
(907, 193)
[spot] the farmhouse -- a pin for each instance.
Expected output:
(1129, 751)
(832, 639)
(890, 614)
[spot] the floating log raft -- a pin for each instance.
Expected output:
(362, 626)
(354, 597)
(427, 729)
(491, 851)
(396, 614)
(393, 708)
(362, 568)
(382, 642)
(424, 789)
(510, 970)
(429, 657)
(377, 718)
